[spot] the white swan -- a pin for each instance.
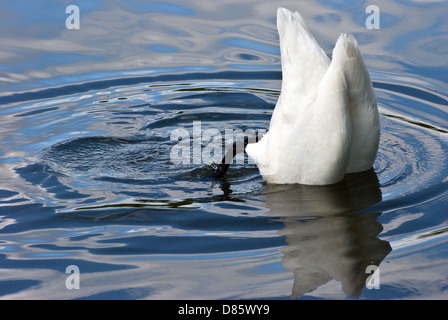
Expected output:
(326, 120)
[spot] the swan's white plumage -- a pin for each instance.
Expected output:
(326, 121)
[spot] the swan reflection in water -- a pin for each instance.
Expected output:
(328, 238)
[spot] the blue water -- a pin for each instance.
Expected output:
(87, 123)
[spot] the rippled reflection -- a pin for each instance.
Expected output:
(118, 37)
(327, 238)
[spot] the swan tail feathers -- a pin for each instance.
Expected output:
(363, 107)
(304, 62)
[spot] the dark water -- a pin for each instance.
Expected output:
(89, 119)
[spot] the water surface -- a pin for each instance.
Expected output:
(87, 119)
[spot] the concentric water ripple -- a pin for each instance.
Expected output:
(108, 161)
(411, 160)
(97, 158)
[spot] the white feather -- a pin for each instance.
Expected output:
(326, 121)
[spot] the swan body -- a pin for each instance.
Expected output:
(326, 122)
